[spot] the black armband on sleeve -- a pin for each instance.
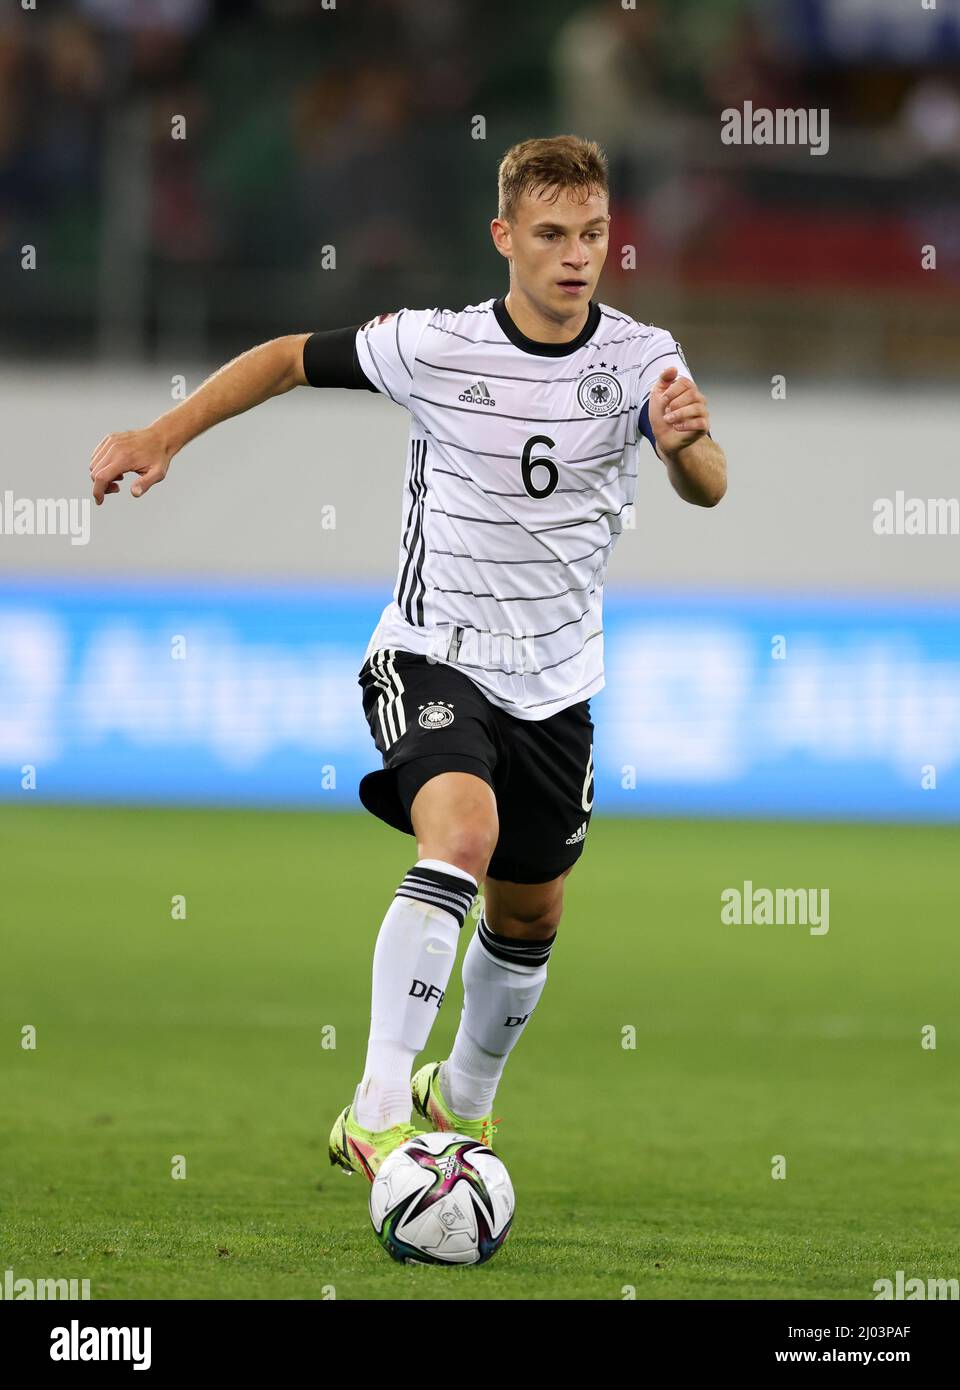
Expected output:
(330, 359)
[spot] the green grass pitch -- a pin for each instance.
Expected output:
(646, 1167)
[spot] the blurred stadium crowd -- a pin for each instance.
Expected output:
(308, 127)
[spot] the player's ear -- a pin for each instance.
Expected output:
(500, 231)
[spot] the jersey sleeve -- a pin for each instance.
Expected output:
(661, 350)
(387, 349)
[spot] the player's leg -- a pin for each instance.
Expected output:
(545, 808)
(504, 975)
(454, 815)
(436, 734)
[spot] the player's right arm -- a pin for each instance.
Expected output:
(267, 370)
(300, 359)
(375, 356)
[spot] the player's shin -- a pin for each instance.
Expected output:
(412, 963)
(503, 978)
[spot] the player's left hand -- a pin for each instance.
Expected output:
(678, 411)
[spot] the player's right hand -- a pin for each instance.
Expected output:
(133, 451)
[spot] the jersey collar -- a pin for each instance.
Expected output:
(526, 344)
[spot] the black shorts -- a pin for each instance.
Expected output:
(427, 717)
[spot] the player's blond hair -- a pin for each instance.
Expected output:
(562, 161)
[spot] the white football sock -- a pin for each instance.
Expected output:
(412, 963)
(503, 978)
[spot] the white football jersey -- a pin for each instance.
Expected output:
(521, 465)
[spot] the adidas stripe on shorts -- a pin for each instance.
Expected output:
(428, 717)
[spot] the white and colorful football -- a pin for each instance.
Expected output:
(442, 1199)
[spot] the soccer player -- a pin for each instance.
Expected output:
(527, 415)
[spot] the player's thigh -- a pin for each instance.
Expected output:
(454, 817)
(528, 911)
(441, 747)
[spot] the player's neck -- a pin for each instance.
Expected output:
(535, 326)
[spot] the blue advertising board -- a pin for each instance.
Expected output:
(726, 705)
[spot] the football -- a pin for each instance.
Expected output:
(442, 1199)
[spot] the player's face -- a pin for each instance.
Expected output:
(557, 248)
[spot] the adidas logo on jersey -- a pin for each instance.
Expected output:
(579, 834)
(477, 394)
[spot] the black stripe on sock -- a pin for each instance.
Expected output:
(433, 886)
(512, 950)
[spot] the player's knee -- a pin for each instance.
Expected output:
(536, 922)
(469, 847)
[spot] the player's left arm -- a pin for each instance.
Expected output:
(680, 421)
